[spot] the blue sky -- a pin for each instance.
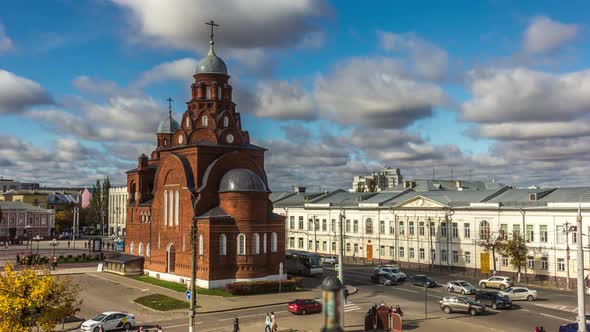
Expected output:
(496, 89)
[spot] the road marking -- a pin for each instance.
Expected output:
(348, 307)
(119, 282)
(555, 317)
(246, 316)
(180, 325)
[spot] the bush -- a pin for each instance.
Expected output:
(262, 287)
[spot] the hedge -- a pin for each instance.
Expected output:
(262, 287)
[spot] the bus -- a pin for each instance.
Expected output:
(303, 263)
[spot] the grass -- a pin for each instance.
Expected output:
(180, 287)
(161, 302)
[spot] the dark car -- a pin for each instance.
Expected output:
(422, 281)
(304, 306)
(383, 278)
(493, 299)
(572, 327)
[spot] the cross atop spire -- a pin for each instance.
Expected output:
(169, 100)
(213, 25)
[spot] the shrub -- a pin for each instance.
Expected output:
(262, 287)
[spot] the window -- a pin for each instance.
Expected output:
(140, 250)
(356, 248)
(421, 228)
(225, 122)
(316, 224)
(443, 255)
(544, 265)
(301, 223)
(333, 225)
(241, 244)
(131, 248)
(165, 207)
(324, 225)
(484, 230)
(516, 229)
(503, 230)
(222, 245)
(201, 245)
(392, 227)
(401, 228)
(317, 245)
(381, 226)
(324, 246)
(560, 264)
(348, 247)
(204, 121)
(411, 253)
(300, 242)
(310, 245)
(310, 224)
(574, 237)
(291, 242)
(256, 244)
(208, 92)
(176, 208)
(467, 257)
(219, 92)
(531, 262)
(291, 222)
(455, 256)
(431, 228)
(382, 251)
(355, 227)
(148, 250)
(368, 226)
(264, 242)
(504, 261)
(466, 230)
(560, 233)
(273, 242)
(401, 251)
(455, 229)
(422, 255)
(391, 251)
(333, 246)
(411, 228)
(543, 233)
(530, 234)
(171, 208)
(443, 229)
(347, 226)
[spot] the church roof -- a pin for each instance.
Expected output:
(241, 179)
(168, 125)
(211, 64)
(215, 212)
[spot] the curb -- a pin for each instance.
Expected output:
(236, 309)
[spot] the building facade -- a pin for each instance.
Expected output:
(118, 197)
(205, 168)
(384, 179)
(21, 221)
(85, 197)
(443, 229)
(33, 197)
(9, 184)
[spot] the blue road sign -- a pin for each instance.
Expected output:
(188, 294)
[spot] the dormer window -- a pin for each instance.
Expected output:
(532, 196)
(204, 121)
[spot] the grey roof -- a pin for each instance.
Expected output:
(168, 125)
(384, 197)
(459, 198)
(440, 184)
(293, 199)
(520, 197)
(58, 198)
(215, 212)
(18, 205)
(122, 258)
(211, 64)
(241, 179)
(568, 195)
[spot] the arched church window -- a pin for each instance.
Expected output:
(222, 245)
(208, 92)
(170, 208)
(132, 248)
(225, 122)
(165, 142)
(201, 245)
(255, 244)
(273, 242)
(241, 244)
(264, 243)
(176, 208)
(148, 250)
(188, 122)
(165, 207)
(204, 121)
(140, 251)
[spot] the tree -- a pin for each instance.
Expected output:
(516, 250)
(494, 245)
(371, 185)
(29, 299)
(99, 202)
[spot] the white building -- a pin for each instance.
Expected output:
(118, 197)
(23, 221)
(441, 229)
(387, 178)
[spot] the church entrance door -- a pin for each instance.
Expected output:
(171, 259)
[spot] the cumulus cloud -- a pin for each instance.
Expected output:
(544, 35)
(98, 87)
(18, 93)
(181, 69)
(429, 60)
(284, 100)
(6, 44)
(534, 130)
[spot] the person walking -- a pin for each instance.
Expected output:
(345, 293)
(236, 325)
(273, 322)
(68, 243)
(17, 259)
(267, 323)
(158, 328)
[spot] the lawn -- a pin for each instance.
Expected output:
(180, 287)
(161, 302)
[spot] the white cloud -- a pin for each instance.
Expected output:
(181, 69)
(19, 93)
(534, 130)
(6, 44)
(544, 34)
(284, 100)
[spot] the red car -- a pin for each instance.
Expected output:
(304, 306)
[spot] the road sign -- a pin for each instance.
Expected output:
(188, 294)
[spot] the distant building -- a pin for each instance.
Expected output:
(23, 221)
(86, 196)
(8, 184)
(118, 197)
(33, 197)
(385, 179)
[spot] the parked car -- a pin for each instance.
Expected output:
(330, 260)
(520, 293)
(304, 306)
(422, 280)
(450, 304)
(394, 270)
(496, 282)
(572, 327)
(493, 299)
(383, 278)
(460, 286)
(110, 320)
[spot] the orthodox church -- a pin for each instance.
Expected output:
(205, 168)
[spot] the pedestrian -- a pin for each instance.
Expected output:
(17, 259)
(345, 293)
(236, 325)
(53, 262)
(85, 245)
(68, 243)
(398, 310)
(541, 329)
(273, 322)
(537, 329)
(158, 328)
(267, 323)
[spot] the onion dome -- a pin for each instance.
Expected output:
(168, 125)
(211, 64)
(241, 179)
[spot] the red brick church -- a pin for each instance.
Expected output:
(205, 167)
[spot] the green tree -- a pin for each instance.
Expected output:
(516, 250)
(99, 203)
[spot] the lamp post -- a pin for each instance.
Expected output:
(53, 243)
(37, 238)
(28, 233)
(332, 304)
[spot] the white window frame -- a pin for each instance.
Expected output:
(273, 242)
(201, 245)
(241, 247)
(255, 244)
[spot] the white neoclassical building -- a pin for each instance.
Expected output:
(442, 229)
(118, 197)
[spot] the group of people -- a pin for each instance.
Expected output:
(270, 323)
(539, 329)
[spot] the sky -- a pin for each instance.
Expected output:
(483, 90)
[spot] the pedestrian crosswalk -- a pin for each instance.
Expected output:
(348, 307)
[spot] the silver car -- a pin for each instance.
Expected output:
(460, 286)
(520, 293)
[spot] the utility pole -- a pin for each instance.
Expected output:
(341, 249)
(193, 307)
(315, 235)
(580, 281)
(567, 250)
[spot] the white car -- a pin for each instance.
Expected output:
(496, 282)
(330, 260)
(110, 320)
(399, 276)
(520, 293)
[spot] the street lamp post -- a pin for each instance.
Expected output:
(53, 243)
(37, 238)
